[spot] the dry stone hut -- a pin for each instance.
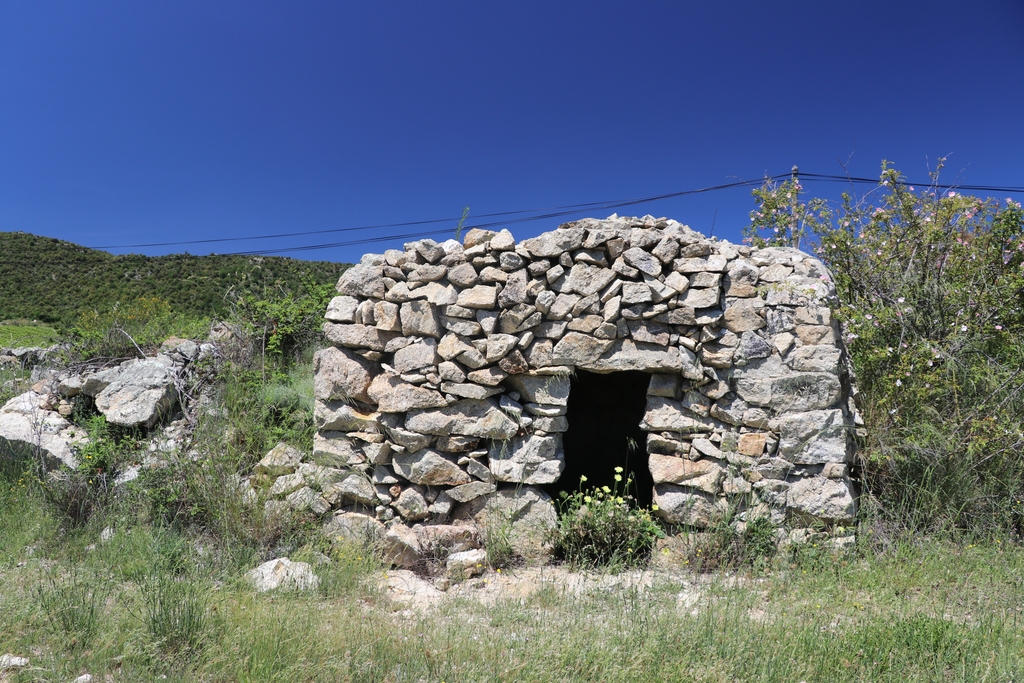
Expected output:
(490, 374)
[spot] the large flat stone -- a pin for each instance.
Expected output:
(797, 392)
(420, 318)
(683, 506)
(143, 392)
(554, 243)
(430, 468)
(546, 389)
(471, 417)
(626, 354)
(362, 281)
(666, 414)
(27, 431)
(392, 395)
(358, 336)
(528, 460)
(705, 475)
(587, 279)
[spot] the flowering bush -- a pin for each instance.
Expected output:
(931, 288)
(601, 526)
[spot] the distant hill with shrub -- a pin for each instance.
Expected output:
(51, 280)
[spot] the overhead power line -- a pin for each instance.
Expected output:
(617, 204)
(550, 212)
(537, 214)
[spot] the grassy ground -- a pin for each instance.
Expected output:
(17, 333)
(152, 602)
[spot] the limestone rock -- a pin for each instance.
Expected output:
(665, 414)
(480, 296)
(392, 395)
(579, 349)
(550, 390)
(416, 356)
(466, 564)
(826, 500)
(342, 309)
(469, 390)
(554, 243)
(705, 475)
(587, 279)
(467, 492)
(401, 546)
(522, 516)
(281, 459)
(420, 318)
(353, 527)
(411, 505)
(340, 374)
(813, 437)
(282, 574)
(530, 459)
(354, 488)
(815, 359)
(471, 417)
(358, 336)
(642, 261)
(363, 281)
(143, 391)
(430, 468)
(679, 505)
(27, 430)
(341, 417)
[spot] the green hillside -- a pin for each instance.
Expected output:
(52, 280)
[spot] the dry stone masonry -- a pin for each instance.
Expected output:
(446, 385)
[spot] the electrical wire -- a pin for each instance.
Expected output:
(551, 212)
(540, 214)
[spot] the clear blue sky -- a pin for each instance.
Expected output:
(135, 122)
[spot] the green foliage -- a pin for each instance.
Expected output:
(124, 328)
(284, 320)
(726, 545)
(54, 281)
(75, 495)
(462, 220)
(601, 527)
(781, 219)
(14, 380)
(931, 290)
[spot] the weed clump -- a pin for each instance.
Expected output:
(602, 527)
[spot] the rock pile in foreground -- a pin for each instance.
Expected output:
(445, 388)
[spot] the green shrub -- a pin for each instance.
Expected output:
(931, 296)
(75, 495)
(285, 322)
(601, 527)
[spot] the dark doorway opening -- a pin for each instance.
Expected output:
(604, 416)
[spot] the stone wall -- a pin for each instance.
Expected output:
(448, 378)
